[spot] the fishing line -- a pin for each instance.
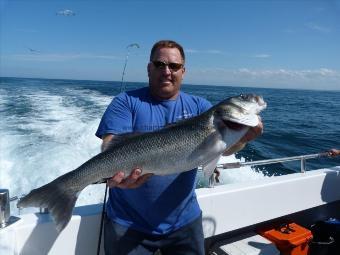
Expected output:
(136, 45)
(102, 220)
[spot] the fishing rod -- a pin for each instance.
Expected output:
(136, 45)
(303, 159)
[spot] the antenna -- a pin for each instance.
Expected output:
(136, 45)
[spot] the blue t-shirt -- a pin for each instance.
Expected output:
(164, 203)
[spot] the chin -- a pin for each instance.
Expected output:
(166, 89)
(166, 94)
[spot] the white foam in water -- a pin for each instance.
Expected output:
(233, 175)
(56, 136)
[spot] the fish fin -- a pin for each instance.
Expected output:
(58, 199)
(173, 124)
(232, 137)
(208, 149)
(103, 180)
(121, 138)
(208, 169)
(235, 148)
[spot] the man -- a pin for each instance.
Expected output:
(146, 213)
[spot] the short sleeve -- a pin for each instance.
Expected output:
(204, 105)
(117, 118)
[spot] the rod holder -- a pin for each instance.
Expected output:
(4, 207)
(43, 210)
(211, 181)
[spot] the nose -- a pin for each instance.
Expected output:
(166, 70)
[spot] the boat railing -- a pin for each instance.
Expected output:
(302, 158)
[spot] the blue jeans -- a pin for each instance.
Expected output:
(119, 240)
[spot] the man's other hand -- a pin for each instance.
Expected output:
(134, 180)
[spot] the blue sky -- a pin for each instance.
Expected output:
(280, 44)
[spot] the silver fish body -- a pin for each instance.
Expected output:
(176, 148)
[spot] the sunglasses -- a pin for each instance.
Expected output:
(172, 66)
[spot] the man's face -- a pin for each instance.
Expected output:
(164, 80)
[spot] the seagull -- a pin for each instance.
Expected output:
(66, 12)
(33, 50)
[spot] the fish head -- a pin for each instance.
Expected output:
(242, 110)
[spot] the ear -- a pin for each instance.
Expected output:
(183, 72)
(149, 69)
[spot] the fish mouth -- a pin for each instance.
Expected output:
(260, 101)
(233, 125)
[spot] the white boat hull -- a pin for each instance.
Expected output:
(226, 209)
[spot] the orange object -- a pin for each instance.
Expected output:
(290, 238)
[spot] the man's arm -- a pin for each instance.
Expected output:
(134, 180)
(106, 139)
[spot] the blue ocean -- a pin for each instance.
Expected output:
(47, 128)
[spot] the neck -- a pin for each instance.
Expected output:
(163, 97)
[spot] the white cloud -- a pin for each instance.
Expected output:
(322, 78)
(289, 74)
(191, 51)
(294, 74)
(219, 52)
(56, 57)
(211, 51)
(261, 56)
(318, 28)
(214, 52)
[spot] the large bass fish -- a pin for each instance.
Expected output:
(180, 147)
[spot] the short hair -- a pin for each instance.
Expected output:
(167, 44)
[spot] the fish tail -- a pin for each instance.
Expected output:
(57, 198)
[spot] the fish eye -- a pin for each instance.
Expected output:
(244, 96)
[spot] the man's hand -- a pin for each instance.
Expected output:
(333, 152)
(253, 132)
(134, 180)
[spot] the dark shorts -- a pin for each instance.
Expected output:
(188, 240)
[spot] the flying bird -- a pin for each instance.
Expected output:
(33, 50)
(66, 12)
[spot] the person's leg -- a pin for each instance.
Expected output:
(119, 240)
(188, 240)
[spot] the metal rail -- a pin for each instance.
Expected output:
(303, 159)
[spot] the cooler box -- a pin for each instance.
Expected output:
(250, 244)
(290, 239)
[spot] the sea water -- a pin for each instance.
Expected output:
(47, 128)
